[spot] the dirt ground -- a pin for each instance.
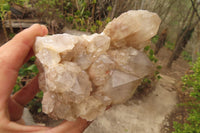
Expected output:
(179, 68)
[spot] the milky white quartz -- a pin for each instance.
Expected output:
(82, 75)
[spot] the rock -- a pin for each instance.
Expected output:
(82, 75)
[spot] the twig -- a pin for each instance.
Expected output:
(10, 24)
(195, 9)
(114, 9)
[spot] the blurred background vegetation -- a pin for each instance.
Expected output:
(179, 32)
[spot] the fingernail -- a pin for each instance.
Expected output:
(44, 30)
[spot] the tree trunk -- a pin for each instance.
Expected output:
(185, 37)
(114, 9)
(93, 11)
(161, 40)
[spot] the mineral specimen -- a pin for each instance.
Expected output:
(82, 75)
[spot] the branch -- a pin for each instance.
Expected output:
(195, 9)
(114, 9)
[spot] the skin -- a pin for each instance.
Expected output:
(13, 55)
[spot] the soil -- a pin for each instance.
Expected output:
(179, 68)
(179, 113)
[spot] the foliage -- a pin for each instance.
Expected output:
(152, 57)
(148, 80)
(193, 80)
(4, 7)
(191, 83)
(155, 39)
(35, 105)
(79, 14)
(5, 13)
(150, 54)
(18, 2)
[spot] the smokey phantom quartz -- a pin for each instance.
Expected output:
(82, 75)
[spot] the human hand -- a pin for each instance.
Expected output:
(13, 55)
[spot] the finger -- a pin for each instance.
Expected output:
(17, 128)
(27, 93)
(15, 110)
(77, 126)
(30, 54)
(21, 98)
(15, 51)
(8, 78)
(12, 56)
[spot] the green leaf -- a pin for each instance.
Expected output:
(151, 52)
(69, 4)
(108, 19)
(32, 58)
(156, 72)
(159, 67)
(39, 94)
(6, 7)
(109, 8)
(94, 1)
(99, 23)
(191, 83)
(159, 77)
(155, 60)
(146, 48)
(16, 88)
(39, 110)
(33, 68)
(155, 39)
(11, 35)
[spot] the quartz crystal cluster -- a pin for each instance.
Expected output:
(82, 75)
